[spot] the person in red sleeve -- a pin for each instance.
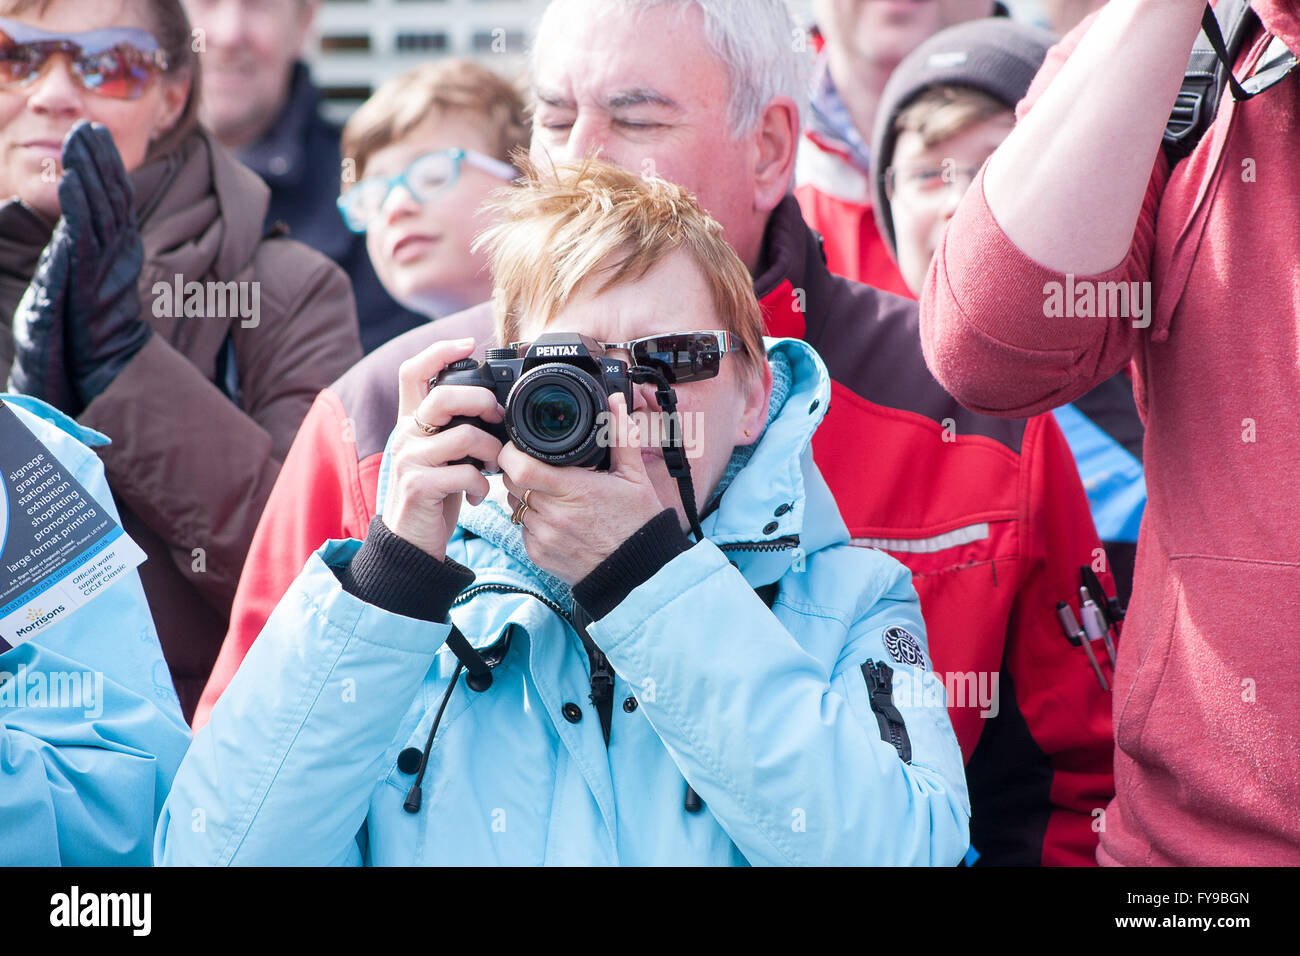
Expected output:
(1079, 200)
(859, 46)
(988, 513)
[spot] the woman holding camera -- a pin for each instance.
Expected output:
(140, 295)
(758, 695)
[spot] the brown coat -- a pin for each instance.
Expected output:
(190, 469)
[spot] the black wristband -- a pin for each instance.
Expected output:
(391, 573)
(636, 561)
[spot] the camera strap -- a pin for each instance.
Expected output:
(674, 446)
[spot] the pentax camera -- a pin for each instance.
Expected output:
(556, 397)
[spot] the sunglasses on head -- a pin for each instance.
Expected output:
(118, 62)
(427, 175)
(680, 357)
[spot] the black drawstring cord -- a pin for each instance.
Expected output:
(415, 795)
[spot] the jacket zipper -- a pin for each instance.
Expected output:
(776, 544)
(880, 690)
(510, 589)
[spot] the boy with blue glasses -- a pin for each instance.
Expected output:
(419, 159)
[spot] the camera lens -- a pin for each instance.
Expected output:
(552, 413)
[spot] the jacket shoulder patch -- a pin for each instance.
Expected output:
(903, 647)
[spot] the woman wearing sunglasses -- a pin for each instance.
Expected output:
(422, 155)
(635, 693)
(139, 294)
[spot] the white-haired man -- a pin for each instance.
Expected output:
(989, 514)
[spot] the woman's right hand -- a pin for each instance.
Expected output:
(424, 491)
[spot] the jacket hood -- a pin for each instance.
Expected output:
(780, 495)
(776, 510)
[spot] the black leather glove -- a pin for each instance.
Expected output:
(102, 327)
(38, 368)
(78, 323)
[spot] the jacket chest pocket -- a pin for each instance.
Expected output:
(981, 552)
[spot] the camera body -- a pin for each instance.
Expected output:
(556, 397)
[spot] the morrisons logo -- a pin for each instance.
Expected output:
(37, 618)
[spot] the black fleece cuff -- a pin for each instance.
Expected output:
(636, 561)
(391, 573)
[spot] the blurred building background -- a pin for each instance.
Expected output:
(361, 43)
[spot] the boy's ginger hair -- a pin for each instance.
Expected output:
(430, 91)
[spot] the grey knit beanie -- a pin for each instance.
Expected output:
(994, 55)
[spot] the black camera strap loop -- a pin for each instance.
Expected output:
(1210, 24)
(1276, 63)
(1225, 31)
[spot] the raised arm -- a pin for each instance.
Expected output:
(1065, 208)
(1067, 185)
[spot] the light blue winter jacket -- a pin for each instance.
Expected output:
(766, 713)
(82, 783)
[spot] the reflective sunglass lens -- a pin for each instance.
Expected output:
(17, 61)
(682, 358)
(118, 73)
(117, 63)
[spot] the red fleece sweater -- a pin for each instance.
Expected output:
(1207, 695)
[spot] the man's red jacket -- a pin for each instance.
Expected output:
(989, 514)
(836, 201)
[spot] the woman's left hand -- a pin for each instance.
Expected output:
(102, 327)
(577, 517)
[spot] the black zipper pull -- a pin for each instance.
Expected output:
(880, 691)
